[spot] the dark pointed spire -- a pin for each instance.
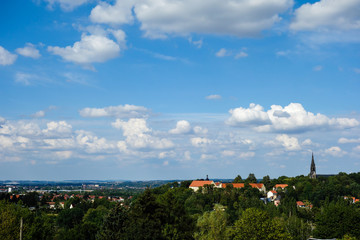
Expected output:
(312, 168)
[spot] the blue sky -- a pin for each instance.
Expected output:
(164, 89)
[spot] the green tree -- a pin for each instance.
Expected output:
(256, 224)
(267, 182)
(115, 224)
(238, 179)
(251, 178)
(212, 225)
(146, 218)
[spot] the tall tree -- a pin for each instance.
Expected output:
(212, 225)
(238, 179)
(251, 178)
(256, 224)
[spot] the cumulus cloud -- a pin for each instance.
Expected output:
(200, 142)
(347, 140)
(246, 155)
(119, 13)
(222, 53)
(241, 54)
(159, 19)
(29, 51)
(327, 15)
(182, 127)
(254, 115)
(289, 143)
(239, 18)
(66, 5)
(61, 128)
(120, 111)
(139, 136)
(335, 151)
(291, 118)
(213, 97)
(6, 58)
(200, 130)
(91, 143)
(90, 49)
(38, 114)
(227, 153)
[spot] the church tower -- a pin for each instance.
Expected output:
(312, 168)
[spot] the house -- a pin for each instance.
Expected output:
(196, 184)
(51, 205)
(352, 199)
(272, 195)
(300, 204)
(259, 186)
(282, 186)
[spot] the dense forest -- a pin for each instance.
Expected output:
(173, 211)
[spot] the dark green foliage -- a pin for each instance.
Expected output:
(337, 219)
(115, 222)
(238, 179)
(251, 178)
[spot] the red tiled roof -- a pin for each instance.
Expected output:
(241, 185)
(281, 185)
(273, 191)
(300, 203)
(200, 183)
(256, 185)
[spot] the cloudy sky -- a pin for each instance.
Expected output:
(178, 89)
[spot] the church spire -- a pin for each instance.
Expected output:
(312, 168)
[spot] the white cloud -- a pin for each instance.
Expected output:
(138, 135)
(246, 155)
(24, 78)
(120, 111)
(91, 143)
(29, 51)
(241, 55)
(346, 140)
(207, 156)
(357, 148)
(66, 5)
(90, 49)
(289, 143)
(228, 153)
(182, 127)
(222, 53)
(38, 114)
(213, 97)
(307, 142)
(247, 18)
(254, 115)
(200, 130)
(61, 128)
(292, 118)
(6, 58)
(335, 151)
(197, 43)
(200, 142)
(327, 15)
(119, 13)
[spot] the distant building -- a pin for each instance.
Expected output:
(195, 185)
(312, 168)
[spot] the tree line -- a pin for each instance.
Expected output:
(173, 211)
